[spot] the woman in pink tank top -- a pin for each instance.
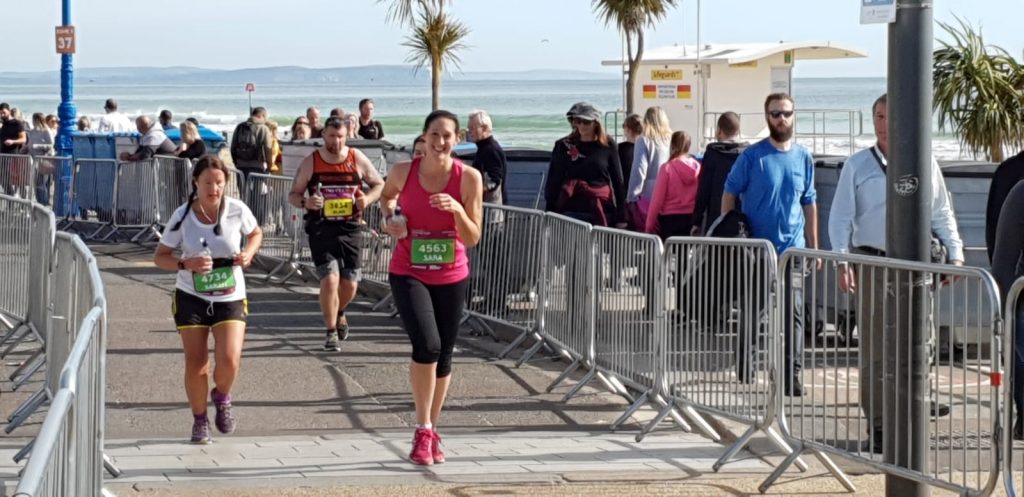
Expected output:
(441, 207)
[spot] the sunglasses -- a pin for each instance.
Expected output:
(577, 120)
(781, 113)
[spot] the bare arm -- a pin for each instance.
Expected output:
(810, 224)
(300, 183)
(728, 203)
(371, 177)
(468, 218)
(165, 259)
(393, 187)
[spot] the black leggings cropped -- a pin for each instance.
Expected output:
(430, 315)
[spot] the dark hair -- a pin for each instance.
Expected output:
(679, 144)
(634, 124)
(440, 114)
(165, 115)
(419, 139)
(256, 111)
(729, 123)
(110, 104)
(337, 112)
(777, 96)
(205, 162)
(364, 102)
(882, 100)
(335, 122)
(5, 106)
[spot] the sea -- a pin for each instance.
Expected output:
(529, 114)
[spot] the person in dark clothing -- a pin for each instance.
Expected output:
(165, 120)
(13, 134)
(1006, 268)
(369, 128)
(490, 157)
(192, 147)
(1008, 174)
(718, 160)
(632, 128)
(584, 177)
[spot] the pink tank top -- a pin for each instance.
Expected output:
(432, 252)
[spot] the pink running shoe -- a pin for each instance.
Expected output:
(435, 448)
(421, 447)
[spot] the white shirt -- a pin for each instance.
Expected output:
(857, 215)
(236, 221)
(114, 122)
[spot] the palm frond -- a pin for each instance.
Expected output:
(436, 37)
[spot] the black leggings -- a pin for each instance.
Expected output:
(431, 316)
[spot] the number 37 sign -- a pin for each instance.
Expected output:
(65, 39)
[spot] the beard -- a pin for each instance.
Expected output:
(780, 133)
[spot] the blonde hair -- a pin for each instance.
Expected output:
(657, 128)
(272, 126)
(189, 132)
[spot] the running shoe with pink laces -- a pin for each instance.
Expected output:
(422, 443)
(435, 448)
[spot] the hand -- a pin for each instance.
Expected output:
(621, 225)
(696, 231)
(360, 200)
(819, 263)
(199, 264)
(949, 280)
(445, 202)
(243, 259)
(314, 202)
(847, 278)
(396, 230)
(8, 143)
(124, 155)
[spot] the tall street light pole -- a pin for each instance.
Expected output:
(66, 111)
(908, 226)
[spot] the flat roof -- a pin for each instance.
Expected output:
(740, 53)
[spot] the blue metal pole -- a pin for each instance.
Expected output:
(67, 114)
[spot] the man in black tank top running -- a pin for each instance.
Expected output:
(334, 184)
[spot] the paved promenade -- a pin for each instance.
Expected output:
(317, 423)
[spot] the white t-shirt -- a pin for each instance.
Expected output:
(236, 221)
(114, 122)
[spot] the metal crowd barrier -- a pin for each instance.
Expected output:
(279, 221)
(376, 249)
(33, 261)
(136, 199)
(67, 456)
(1012, 453)
(722, 333)
(18, 176)
(505, 266)
(845, 415)
(174, 184)
(93, 187)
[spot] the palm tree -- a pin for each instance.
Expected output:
(979, 93)
(435, 39)
(631, 17)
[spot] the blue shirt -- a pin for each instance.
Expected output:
(773, 187)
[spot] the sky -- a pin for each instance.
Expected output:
(507, 35)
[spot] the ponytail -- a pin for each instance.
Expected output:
(188, 206)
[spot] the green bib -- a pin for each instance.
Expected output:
(221, 279)
(433, 251)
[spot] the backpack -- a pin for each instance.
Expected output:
(244, 144)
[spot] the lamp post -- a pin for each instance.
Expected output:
(66, 111)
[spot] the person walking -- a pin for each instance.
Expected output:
(434, 208)
(675, 192)
(649, 153)
(209, 295)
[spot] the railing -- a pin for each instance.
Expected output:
(825, 126)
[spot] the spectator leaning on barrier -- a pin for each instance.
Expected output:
(369, 128)
(165, 118)
(84, 124)
(857, 225)
(301, 129)
(13, 135)
(153, 142)
(113, 121)
(719, 156)
(774, 179)
(192, 146)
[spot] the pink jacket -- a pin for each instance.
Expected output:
(675, 191)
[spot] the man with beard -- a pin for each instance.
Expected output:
(329, 186)
(857, 225)
(774, 179)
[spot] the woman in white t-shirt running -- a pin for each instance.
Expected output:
(209, 295)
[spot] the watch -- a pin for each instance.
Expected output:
(181, 265)
(302, 202)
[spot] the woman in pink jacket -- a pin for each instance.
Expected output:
(675, 191)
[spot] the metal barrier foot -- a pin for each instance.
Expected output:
(530, 353)
(110, 467)
(665, 411)
(836, 472)
(579, 386)
(26, 409)
(26, 363)
(38, 362)
(784, 447)
(387, 300)
(702, 424)
(18, 337)
(734, 449)
(25, 451)
(515, 343)
(779, 470)
(640, 401)
(565, 374)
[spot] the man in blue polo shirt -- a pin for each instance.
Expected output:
(774, 179)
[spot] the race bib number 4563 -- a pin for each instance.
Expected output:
(433, 251)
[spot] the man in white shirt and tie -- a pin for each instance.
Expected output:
(857, 225)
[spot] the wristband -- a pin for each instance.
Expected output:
(302, 202)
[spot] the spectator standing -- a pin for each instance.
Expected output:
(632, 128)
(301, 129)
(719, 156)
(675, 191)
(113, 121)
(369, 128)
(650, 152)
(490, 157)
(165, 120)
(316, 130)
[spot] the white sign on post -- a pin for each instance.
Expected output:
(877, 11)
